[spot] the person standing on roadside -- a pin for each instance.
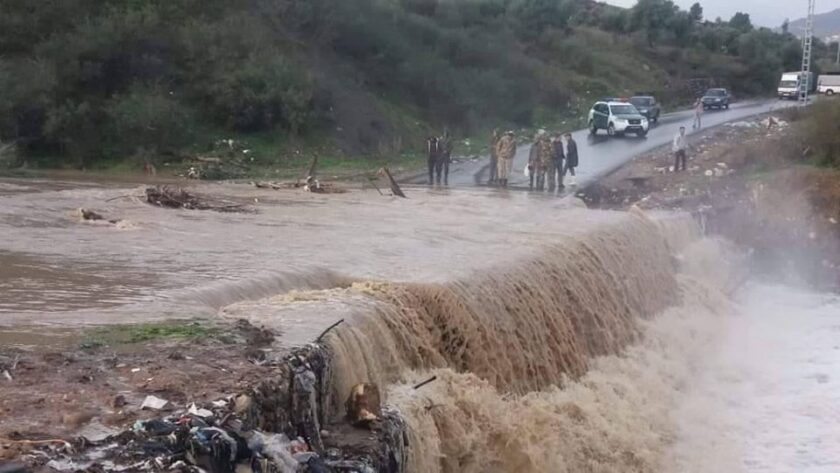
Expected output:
(494, 161)
(570, 151)
(433, 154)
(698, 114)
(680, 146)
(505, 152)
(540, 160)
(445, 147)
(559, 159)
(533, 162)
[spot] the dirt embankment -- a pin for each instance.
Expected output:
(752, 183)
(98, 379)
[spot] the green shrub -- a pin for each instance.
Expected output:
(821, 131)
(146, 123)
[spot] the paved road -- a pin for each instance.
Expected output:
(600, 154)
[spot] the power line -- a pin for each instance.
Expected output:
(807, 43)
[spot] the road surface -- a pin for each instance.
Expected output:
(600, 154)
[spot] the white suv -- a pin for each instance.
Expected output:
(617, 118)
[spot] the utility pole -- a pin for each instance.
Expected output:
(807, 42)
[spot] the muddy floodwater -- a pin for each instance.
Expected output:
(162, 263)
(563, 339)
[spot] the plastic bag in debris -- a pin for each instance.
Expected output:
(13, 468)
(215, 450)
(274, 447)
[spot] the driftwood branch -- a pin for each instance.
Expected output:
(395, 188)
(418, 386)
(325, 332)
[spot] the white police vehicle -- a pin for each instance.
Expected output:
(617, 118)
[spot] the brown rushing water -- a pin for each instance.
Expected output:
(563, 339)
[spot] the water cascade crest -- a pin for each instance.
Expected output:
(532, 358)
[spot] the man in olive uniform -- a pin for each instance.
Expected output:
(505, 152)
(540, 160)
(545, 156)
(494, 161)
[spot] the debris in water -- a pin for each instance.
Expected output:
(93, 216)
(363, 405)
(395, 188)
(325, 332)
(163, 196)
(418, 386)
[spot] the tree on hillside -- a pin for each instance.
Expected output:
(653, 17)
(786, 26)
(696, 13)
(741, 21)
(536, 16)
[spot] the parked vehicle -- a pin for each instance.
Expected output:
(829, 84)
(716, 98)
(617, 118)
(791, 84)
(647, 106)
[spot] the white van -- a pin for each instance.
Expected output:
(790, 83)
(829, 84)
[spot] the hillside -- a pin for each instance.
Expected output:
(825, 25)
(88, 83)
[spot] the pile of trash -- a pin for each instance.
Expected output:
(230, 434)
(189, 440)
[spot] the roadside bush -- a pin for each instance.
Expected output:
(821, 131)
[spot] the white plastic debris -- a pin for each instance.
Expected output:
(154, 403)
(200, 412)
(743, 125)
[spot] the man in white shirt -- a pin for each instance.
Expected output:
(679, 147)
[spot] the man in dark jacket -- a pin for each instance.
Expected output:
(444, 157)
(571, 154)
(559, 158)
(433, 152)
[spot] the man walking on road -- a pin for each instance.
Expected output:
(570, 151)
(679, 147)
(505, 152)
(494, 161)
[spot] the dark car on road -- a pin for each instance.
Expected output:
(647, 106)
(716, 98)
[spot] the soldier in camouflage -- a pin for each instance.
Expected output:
(505, 152)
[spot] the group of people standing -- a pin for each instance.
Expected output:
(439, 149)
(549, 160)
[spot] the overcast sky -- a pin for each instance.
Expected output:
(763, 12)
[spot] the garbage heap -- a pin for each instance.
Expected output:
(284, 425)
